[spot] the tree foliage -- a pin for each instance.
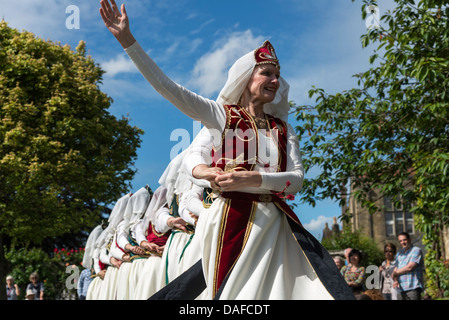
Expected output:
(392, 131)
(58, 272)
(63, 156)
(371, 254)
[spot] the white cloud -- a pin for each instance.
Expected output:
(317, 225)
(210, 71)
(119, 64)
(198, 30)
(47, 19)
(34, 16)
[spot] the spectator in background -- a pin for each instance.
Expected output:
(408, 274)
(37, 286)
(339, 262)
(12, 289)
(386, 272)
(354, 274)
(30, 295)
(83, 283)
(347, 251)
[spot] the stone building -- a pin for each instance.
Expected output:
(385, 224)
(328, 233)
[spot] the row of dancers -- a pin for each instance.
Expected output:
(148, 240)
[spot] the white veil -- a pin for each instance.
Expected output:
(238, 77)
(157, 201)
(90, 246)
(175, 178)
(135, 208)
(117, 212)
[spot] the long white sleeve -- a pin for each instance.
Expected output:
(115, 251)
(209, 112)
(184, 209)
(193, 200)
(160, 225)
(139, 232)
(200, 152)
(122, 239)
(294, 173)
(96, 262)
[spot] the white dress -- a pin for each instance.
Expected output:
(108, 286)
(169, 265)
(148, 282)
(129, 272)
(272, 264)
(94, 289)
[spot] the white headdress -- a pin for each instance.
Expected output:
(117, 213)
(175, 178)
(135, 208)
(157, 201)
(90, 246)
(239, 75)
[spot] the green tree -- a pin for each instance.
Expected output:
(391, 132)
(63, 156)
(371, 255)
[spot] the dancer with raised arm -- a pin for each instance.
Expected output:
(253, 244)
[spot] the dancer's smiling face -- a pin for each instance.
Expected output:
(264, 83)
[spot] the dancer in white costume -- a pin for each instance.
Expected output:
(153, 236)
(89, 247)
(130, 270)
(196, 199)
(254, 246)
(165, 223)
(149, 283)
(88, 256)
(98, 270)
(176, 182)
(114, 255)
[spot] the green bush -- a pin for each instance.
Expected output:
(371, 254)
(437, 276)
(52, 269)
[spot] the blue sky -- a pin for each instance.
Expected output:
(195, 42)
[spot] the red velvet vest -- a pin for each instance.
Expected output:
(157, 238)
(239, 151)
(239, 145)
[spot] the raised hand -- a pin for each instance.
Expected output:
(117, 22)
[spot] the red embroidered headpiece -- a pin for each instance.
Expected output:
(266, 54)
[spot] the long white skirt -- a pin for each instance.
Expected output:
(109, 286)
(272, 264)
(135, 272)
(122, 281)
(94, 289)
(170, 261)
(148, 282)
(192, 250)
